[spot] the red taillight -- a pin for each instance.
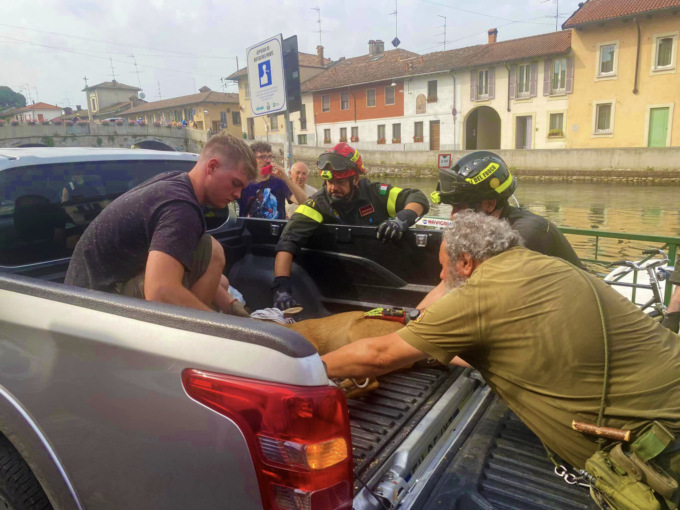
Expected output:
(299, 437)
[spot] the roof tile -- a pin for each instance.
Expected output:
(203, 97)
(600, 10)
(403, 64)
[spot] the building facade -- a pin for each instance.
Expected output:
(37, 112)
(110, 99)
(626, 75)
(207, 110)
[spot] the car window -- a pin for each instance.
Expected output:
(44, 209)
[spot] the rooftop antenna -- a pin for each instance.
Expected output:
(28, 92)
(557, 13)
(113, 73)
(318, 12)
(444, 29)
(159, 91)
(396, 42)
(139, 82)
(85, 78)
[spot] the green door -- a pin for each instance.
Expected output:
(658, 127)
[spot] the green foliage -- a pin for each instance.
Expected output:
(48, 140)
(10, 98)
(100, 142)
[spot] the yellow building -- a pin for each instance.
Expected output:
(207, 110)
(626, 79)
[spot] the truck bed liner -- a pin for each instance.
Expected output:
(502, 465)
(382, 418)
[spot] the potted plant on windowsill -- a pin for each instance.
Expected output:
(326, 140)
(555, 133)
(381, 141)
(343, 139)
(431, 99)
(417, 139)
(396, 139)
(354, 138)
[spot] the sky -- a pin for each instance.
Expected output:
(47, 47)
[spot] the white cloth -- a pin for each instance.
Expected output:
(290, 207)
(271, 314)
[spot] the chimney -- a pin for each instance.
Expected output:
(379, 47)
(493, 35)
(68, 110)
(319, 54)
(78, 108)
(371, 47)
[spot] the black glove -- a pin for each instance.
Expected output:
(283, 293)
(672, 321)
(394, 228)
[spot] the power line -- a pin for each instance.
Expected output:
(482, 13)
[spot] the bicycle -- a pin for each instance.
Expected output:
(654, 306)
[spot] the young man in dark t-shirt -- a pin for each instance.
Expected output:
(266, 197)
(151, 243)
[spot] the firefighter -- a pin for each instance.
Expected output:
(345, 198)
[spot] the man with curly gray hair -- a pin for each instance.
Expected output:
(533, 327)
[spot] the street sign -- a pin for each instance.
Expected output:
(291, 70)
(444, 160)
(266, 78)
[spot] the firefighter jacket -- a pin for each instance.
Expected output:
(373, 203)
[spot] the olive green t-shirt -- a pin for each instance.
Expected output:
(530, 324)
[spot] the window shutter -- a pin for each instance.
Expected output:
(492, 83)
(513, 81)
(473, 85)
(546, 77)
(533, 80)
(570, 75)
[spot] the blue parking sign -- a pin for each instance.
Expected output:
(264, 70)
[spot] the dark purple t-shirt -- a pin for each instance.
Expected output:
(266, 199)
(161, 214)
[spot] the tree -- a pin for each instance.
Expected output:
(10, 98)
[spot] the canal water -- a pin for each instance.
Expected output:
(612, 207)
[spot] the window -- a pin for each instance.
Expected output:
(93, 103)
(556, 127)
(236, 118)
(523, 80)
(604, 118)
(303, 117)
(246, 86)
(302, 139)
(370, 97)
(188, 114)
(223, 119)
(344, 101)
(44, 208)
(665, 51)
(274, 122)
(396, 133)
(483, 84)
(326, 103)
(326, 136)
(343, 134)
(418, 132)
(381, 133)
(558, 81)
(355, 134)
(389, 95)
(607, 60)
(432, 91)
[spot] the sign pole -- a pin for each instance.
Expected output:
(288, 161)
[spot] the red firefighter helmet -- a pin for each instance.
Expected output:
(340, 162)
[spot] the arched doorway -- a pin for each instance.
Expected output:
(483, 129)
(153, 145)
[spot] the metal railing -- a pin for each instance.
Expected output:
(666, 243)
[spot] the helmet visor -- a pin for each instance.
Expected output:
(333, 161)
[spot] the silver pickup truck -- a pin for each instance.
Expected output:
(109, 402)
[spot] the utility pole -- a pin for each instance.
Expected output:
(134, 60)
(113, 73)
(89, 103)
(159, 91)
(444, 29)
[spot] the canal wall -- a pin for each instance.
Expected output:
(651, 165)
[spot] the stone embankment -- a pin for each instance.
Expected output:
(634, 165)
